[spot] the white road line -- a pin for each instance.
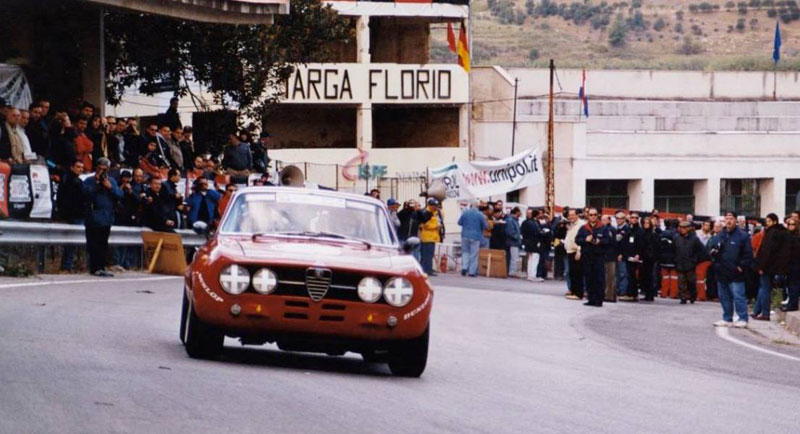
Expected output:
(724, 333)
(99, 280)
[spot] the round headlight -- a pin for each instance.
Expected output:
(234, 279)
(398, 291)
(265, 281)
(369, 289)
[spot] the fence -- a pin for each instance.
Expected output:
(748, 205)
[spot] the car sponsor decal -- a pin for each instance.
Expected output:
(208, 290)
(418, 309)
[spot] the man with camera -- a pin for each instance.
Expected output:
(101, 193)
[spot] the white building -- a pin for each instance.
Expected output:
(688, 142)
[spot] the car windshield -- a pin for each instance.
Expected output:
(287, 213)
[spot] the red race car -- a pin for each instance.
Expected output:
(311, 270)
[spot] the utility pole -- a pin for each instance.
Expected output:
(550, 183)
(514, 120)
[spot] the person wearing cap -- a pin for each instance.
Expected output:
(393, 206)
(689, 251)
(259, 149)
(101, 193)
(429, 234)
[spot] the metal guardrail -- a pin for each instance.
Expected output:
(34, 233)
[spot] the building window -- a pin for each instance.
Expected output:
(792, 195)
(675, 196)
(395, 126)
(312, 126)
(740, 196)
(607, 193)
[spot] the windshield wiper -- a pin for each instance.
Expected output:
(318, 234)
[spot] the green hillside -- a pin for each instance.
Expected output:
(642, 34)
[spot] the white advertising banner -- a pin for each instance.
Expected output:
(478, 179)
(40, 184)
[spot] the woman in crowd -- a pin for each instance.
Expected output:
(648, 258)
(97, 135)
(153, 163)
(794, 266)
(61, 136)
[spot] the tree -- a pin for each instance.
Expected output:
(238, 65)
(618, 33)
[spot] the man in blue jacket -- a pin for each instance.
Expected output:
(513, 240)
(101, 193)
(202, 202)
(593, 238)
(472, 223)
(732, 254)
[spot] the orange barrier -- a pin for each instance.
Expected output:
(669, 281)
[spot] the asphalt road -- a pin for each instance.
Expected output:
(103, 356)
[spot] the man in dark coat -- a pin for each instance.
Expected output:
(102, 193)
(689, 251)
(71, 207)
(593, 237)
(731, 253)
(631, 256)
(772, 264)
(158, 214)
(531, 241)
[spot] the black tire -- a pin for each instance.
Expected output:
(202, 341)
(184, 312)
(408, 358)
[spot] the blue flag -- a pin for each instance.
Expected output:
(776, 52)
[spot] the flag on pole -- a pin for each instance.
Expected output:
(776, 51)
(463, 48)
(582, 95)
(451, 38)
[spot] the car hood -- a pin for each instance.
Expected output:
(322, 254)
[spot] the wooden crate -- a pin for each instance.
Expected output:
(492, 263)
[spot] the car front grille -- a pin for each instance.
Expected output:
(318, 281)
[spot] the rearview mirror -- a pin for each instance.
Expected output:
(410, 244)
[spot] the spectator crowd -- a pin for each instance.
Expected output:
(117, 171)
(605, 258)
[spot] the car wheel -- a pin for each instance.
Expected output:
(202, 340)
(184, 313)
(408, 358)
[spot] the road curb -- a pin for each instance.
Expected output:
(793, 321)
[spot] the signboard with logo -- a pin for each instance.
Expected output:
(477, 179)
(379, 83)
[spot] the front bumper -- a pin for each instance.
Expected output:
(268, 316)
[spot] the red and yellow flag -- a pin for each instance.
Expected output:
(463, 48)
(451, 38)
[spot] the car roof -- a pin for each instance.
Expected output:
(309, 191)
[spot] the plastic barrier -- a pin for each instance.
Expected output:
(669, 283)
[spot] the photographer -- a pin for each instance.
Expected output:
(202, 202)
(158, 215)
(101, 193)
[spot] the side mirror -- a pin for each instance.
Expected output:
(200, 227)
(410, 244)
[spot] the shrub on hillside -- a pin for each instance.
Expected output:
(530, 7)
(659, 24)
(679, 15)
(679, 28)
(618, 33)
(637, 22)
(730, 5)
(742, 8)
(772, 13)
(740, 24)
(754, 3)
(533, 54)
(689, 47)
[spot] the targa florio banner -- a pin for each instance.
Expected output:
(478, 179)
